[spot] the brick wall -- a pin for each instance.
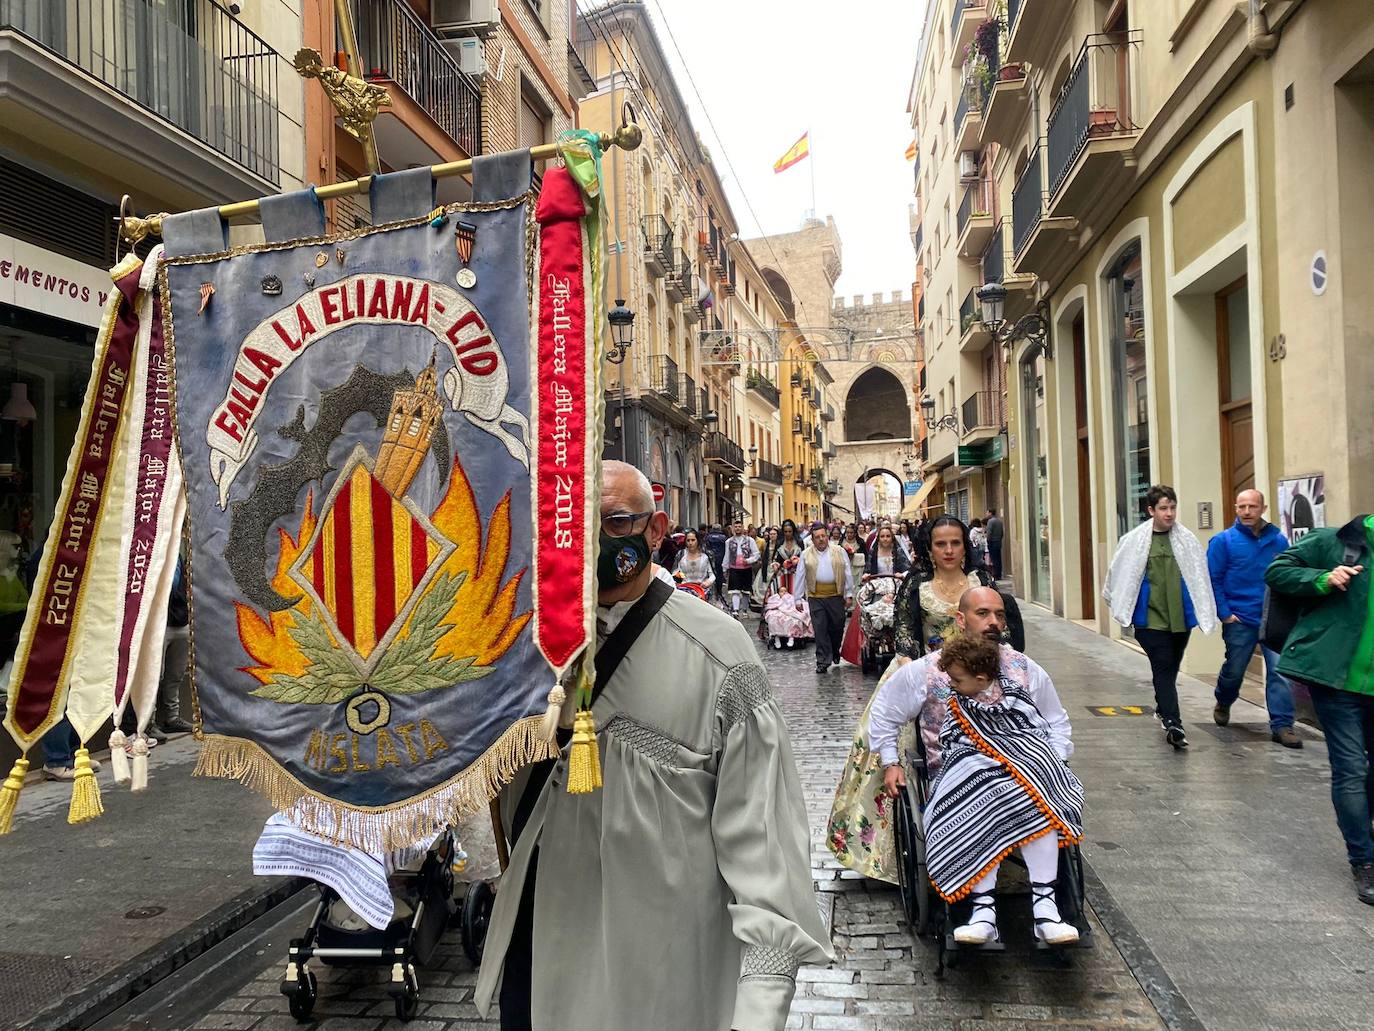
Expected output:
(501, 99)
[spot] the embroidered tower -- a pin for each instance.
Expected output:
(409, 428)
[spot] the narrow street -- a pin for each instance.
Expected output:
(1207, 869)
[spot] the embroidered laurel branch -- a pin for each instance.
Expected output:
(409, 665)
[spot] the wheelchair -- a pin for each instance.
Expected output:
(929, 915)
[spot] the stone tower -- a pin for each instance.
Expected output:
(409, 428)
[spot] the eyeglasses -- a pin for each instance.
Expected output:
(622, 524)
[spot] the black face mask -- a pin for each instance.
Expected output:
(621, 560)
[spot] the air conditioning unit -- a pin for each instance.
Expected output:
(968, 164)
(461, 17)
(469, 52)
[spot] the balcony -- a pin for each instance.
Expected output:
(831, 452)
(763, 386)
(829, 414)
(968, 118)
(919, 240)
(727, 285)
(817, 440)
(1037, 239)
(658, 245)
(797, 425)
(832, 487)
(1091, 130)
(768, 472)
(1008, 101)
(996, 269)
(692, 311)
(815, 396)
(688, 396)
(972, 336)
(968, 15)
(707, 235)
(975, 218)
(403, 53)
(720, 349)
(979, 417)
(1034, 27)
(677, 284)
(663, 377)
(723, 454)
(181, 98)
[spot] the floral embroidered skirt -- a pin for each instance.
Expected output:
(860, 832)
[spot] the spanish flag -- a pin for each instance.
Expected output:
(911, 150)
(799, 150)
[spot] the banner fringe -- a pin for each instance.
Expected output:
(9, 794)
(377, 831)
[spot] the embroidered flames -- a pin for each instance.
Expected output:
(441, 617)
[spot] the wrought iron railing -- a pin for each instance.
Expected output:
(1097, 100)
(688, 397)
(768, 472)
(658, 239)
(960, 112)
(763, 386)
(678, 281)
(663, 376)
(720, 448)
(976, 202)
(969, 311)
(829, 414)
(395, 44)
(979, 410)
(188, 62)
(815, 398)
(1027, 201)
(994, 257)
(1013, 15)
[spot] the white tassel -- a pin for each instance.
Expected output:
(549, 727)
(140, 764)
(119, 759)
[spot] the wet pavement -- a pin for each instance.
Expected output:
(1217, 886)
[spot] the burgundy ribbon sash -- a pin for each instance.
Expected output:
(562, 556)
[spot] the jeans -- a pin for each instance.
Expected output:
(59, 745)
(1165, 652)
(827, 619)
(995, 557)
(1347, 719)
(1240, 640)
(174, 657)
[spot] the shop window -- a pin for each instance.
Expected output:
(1128, 346)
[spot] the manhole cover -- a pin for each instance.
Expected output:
(144, 912)
(30, 983)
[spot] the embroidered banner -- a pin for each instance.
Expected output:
(361, 552)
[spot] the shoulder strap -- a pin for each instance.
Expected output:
(608, 660)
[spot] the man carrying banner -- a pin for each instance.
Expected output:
(696, 848)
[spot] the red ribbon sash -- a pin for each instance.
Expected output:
(562, 549)
(40, 669)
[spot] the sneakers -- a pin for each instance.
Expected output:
(1286, 736)
(982, 925)
(1221, 714)
(1364, 880)
(67, 772)
(1175, 736)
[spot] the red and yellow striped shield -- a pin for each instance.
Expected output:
(369, 556)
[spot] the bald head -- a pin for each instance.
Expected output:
(982, 612)
(624, 488)
(1250, 508)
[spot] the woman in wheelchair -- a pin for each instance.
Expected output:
(1002, 781)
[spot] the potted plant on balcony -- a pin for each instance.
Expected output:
(987, 38)
(1011, 72)
(1102, 121)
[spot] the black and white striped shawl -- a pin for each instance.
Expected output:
(1001, 784)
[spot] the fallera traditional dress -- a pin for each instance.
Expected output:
(678, 897)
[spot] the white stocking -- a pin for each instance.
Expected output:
(1042, 864)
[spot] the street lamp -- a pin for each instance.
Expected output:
(1034, 326)
(949, 421)
(622, 322)
(753, 456)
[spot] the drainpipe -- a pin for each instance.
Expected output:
(1261, 42)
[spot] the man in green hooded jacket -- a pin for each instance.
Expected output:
(1331, 650)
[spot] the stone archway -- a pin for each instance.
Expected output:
(876, 407)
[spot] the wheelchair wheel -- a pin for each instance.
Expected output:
(1069, 896)
(477, 906)
(911, 867)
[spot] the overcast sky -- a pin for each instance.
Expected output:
(769, 70)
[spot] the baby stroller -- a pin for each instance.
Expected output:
(422, 890)
(785, 621)
(928, 914)
(876, 599)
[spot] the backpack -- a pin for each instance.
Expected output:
(1282, 611)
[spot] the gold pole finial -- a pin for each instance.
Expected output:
(356, 100)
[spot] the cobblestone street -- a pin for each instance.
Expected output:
(882, 978)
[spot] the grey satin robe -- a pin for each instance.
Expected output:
(679, 896)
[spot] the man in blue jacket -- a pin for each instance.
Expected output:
(1237, 559)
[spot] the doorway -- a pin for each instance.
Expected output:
(1234, 388)
(1087, 575)
(1037, 475)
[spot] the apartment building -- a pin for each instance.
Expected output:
(959, 217)
(1186, 186)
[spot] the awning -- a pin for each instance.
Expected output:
(912, 508)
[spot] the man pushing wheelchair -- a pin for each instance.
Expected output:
(996, 739)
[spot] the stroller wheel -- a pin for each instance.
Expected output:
(477, 906)
(407, 1005)
(301, 1001)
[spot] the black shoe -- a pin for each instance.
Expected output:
(156, 733)
(176, 726)
(1221, 714)
(1364, 882)
(1176, 737)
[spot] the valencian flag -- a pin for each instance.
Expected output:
(911, 150)
(385, 446)
(799, 150)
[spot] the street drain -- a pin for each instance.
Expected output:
(144, 912)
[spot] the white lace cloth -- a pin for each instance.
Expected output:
(1127, 573)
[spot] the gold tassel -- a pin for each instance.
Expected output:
(584, 757)
(85, 791)
(9, 794)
